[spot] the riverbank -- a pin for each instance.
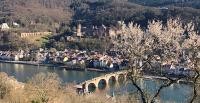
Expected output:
(53, 65)
(23, 62)
(13, 91)
(82, 69)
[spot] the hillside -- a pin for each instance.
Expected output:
(108, 12)
(42, 14)
(178, 3)
(62, 16)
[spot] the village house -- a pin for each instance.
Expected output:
(4, 27)
(15, 25)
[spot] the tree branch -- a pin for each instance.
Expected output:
(139, 89)
(194, 86)
(170, 82)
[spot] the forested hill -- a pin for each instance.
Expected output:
(42, 13)
(178, 3)
(62, 15)
(108, 12)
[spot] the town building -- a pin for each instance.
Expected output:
(4, 27)
(34, 34)
(78, 31)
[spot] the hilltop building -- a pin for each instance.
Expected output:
(98, 31)
(34, 34)
(15, 25)
(78, 30)
(4, 27)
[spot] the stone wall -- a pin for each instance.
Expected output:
(34, 34)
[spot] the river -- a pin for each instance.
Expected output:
(24, 72)
(177, 93)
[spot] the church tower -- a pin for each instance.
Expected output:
(78, 31)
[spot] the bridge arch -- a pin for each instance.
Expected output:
(128, 75)
(91, 87)
(121, 78)
(102, 84)
(112, 80)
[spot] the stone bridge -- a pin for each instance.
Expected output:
(95, 83)
(103, 80)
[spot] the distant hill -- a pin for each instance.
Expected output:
(62, 16)
(179, 3)
(55, 15)
(108, 12)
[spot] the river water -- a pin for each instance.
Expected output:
(177, 93)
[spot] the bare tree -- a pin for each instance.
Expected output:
(4, 87)
(43, 88)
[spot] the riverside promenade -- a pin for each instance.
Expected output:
(22, 62)
(52, 65)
